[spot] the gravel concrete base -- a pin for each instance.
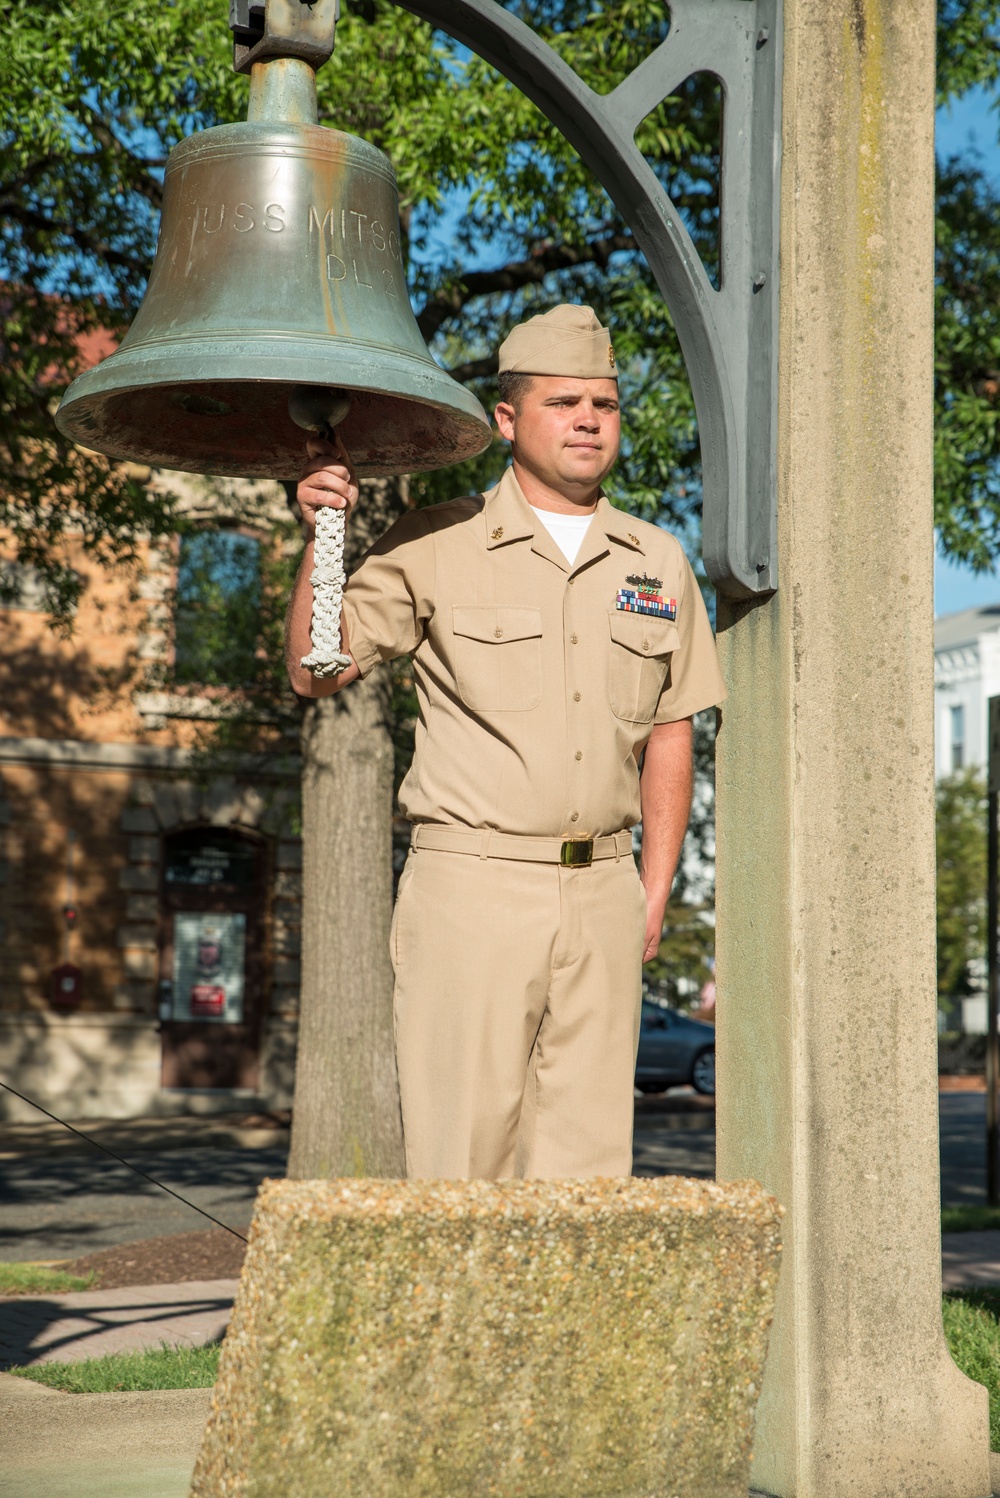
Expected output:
(538, 1339)
(98, 1445)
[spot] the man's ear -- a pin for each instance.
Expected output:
(505, 416)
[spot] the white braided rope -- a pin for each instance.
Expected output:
(328, 577)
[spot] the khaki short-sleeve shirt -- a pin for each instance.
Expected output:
(535, 691)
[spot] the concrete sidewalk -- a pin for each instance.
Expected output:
(98, 1445)
(970, 1259)
(92, 1323)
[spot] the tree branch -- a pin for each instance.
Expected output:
(544, 258)
(32, 172)
(476, 369)
(80, 237)
(148, 188)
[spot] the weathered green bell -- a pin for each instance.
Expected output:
(278, 265)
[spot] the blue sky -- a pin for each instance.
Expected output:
(968, 125)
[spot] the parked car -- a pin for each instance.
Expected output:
(674, 1050)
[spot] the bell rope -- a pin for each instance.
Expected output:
(328, 578)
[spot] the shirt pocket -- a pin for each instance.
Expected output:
(638, 662)
(498, 657)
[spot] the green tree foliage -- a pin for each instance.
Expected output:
(967, 304)
(217, 608)
(961, 881)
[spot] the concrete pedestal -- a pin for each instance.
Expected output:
(495, 1339)
(827, 1033)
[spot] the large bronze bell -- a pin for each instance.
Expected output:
(278, 266)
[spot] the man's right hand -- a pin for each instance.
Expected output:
(327, 479)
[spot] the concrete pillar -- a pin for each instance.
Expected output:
(827, 1035)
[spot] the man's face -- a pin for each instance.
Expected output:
(565, 431)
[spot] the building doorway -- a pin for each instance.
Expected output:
(211, 957)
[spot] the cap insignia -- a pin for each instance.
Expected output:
(611, 356)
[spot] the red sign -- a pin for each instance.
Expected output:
(207, 999)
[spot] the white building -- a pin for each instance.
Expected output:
(966, 676)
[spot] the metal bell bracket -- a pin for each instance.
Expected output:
(728, 336)
(267, 29)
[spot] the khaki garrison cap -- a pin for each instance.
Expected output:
(569, 340)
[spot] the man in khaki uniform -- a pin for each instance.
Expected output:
(556, 643)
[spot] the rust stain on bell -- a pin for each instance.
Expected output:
(279, 264)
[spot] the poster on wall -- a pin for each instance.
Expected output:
(208, 967)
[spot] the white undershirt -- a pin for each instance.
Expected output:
(567, 531)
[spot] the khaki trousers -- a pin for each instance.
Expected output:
(517, 999)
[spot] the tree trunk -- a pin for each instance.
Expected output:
(346, 1119)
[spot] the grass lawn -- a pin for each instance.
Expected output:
(972, 1330)
(969, 1219)
(34, 1279)
(163, 1368)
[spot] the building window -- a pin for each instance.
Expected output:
(957, 738)
(217, 610)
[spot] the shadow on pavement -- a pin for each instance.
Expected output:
(64, 1206)
(67, 1328)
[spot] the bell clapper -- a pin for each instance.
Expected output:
(318, 409)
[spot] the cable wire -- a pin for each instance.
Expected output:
(152, 1179)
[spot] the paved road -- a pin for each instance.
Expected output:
(963, 1148)
(61, 1206)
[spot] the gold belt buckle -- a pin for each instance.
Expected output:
(577, 855)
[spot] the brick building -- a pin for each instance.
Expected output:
(149, 894)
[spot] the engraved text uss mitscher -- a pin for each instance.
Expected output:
(348, 228)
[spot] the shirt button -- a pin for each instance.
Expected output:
(579, 754)
(574, 639)
(499, 635)
(575, 816)
(576, 696)
(645, 643)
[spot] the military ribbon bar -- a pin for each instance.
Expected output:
(632, 601)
